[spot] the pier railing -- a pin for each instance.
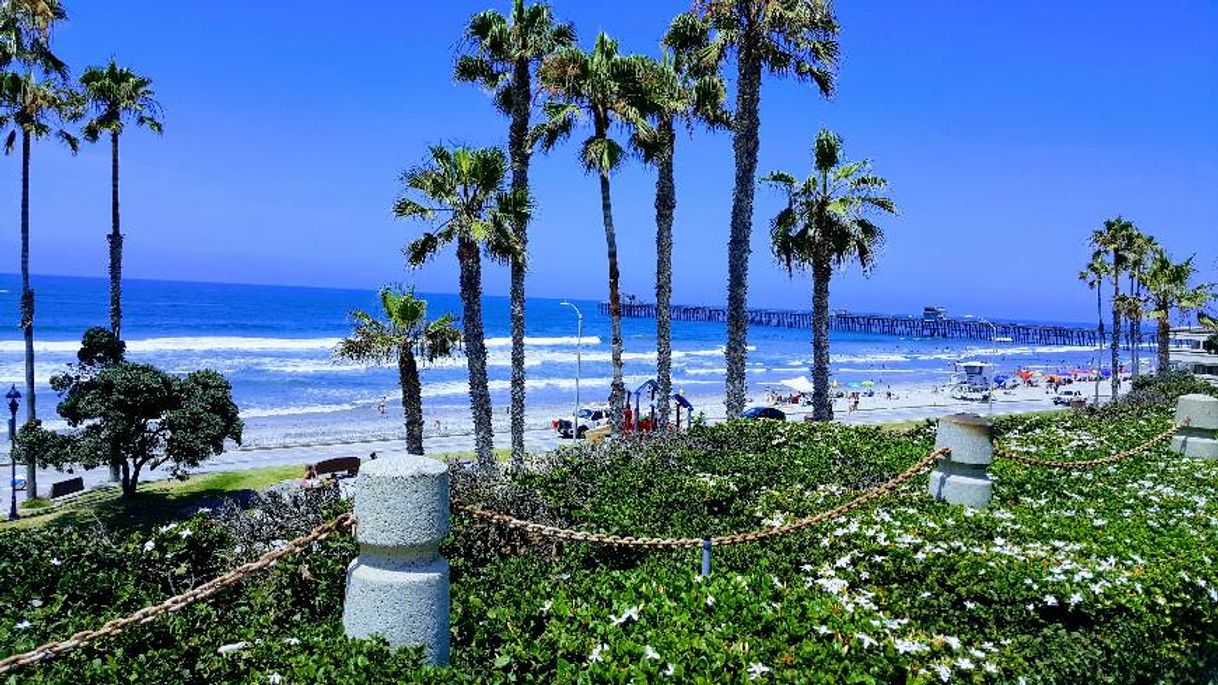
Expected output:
(879, 324)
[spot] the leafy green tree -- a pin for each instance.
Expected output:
(603, 87)
(135, 416)
(1210, 324)
(34, 102)
(117, 96)
(786, 38)
(826, 225)
(461, 192)
(503, 54)
(1170, 287)
(1093, 275)
(1113, 244)
(676, 93)
(401, 337)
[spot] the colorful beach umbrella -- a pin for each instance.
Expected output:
(868, 384)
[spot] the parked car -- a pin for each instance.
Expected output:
(589, 418)
(1065, 397)
(764, 413)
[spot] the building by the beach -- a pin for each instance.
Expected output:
(1188, 353)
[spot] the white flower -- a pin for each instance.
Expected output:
(148, 546)
(823, 630)
(908, 646)
(35, 603)
(186, 532)
(167, 527)
(650, 653)
(274, 679)
(1075, 599)
(545, 608)
(22, 625)
(291, 640)
(953, 642)
(866, 640)
(670, 670)
(630, 614)
(56, 562)
(990, 667)
(945, 673)
(757, 670)
(970, 605)
(596, 652)
(234, 647)
(964, 663)
(1050, 600)
(710, 601)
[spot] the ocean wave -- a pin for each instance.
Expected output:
(256, 413)
(185, 344)
(544, 341)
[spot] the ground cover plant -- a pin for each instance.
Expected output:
(1102, 575)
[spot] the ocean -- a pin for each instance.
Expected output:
(274, 344)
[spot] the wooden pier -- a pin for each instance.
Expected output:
(879, 324)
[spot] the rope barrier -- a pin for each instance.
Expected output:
(178, 602)
(1005, 452)
(569, 535)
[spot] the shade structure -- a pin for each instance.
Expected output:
(799, 384)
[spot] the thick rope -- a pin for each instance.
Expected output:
(738, 538)
(178, 602)
(1005, 452)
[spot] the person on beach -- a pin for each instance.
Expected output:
(309, 479)
(382, 404)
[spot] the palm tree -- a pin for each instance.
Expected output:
(675, 93)
(1113, 243)
(604, 87)
(401, 337)
(1141, 249)
(32, 107)
(1169, 287)
(116, 95)
(461, 190)
(785, 38)
(1093, 275)
(825, 225)
(1210, 324)
(503, 52)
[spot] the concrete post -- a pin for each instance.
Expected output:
(398, 585)
(1197, 439)
(963, 477)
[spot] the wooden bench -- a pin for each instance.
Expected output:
(350, 465)
(70, 486)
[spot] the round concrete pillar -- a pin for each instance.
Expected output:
(398, 585)
(1196, 440)
(963, 477)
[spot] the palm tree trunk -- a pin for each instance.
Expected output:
(744, 144)
(822, 271)
(1164, 335)
(1099, 336)
(1116, 326)
(518, 150)
(617, 389)
(116, 262)
(666, 206)
(27, 310)
(475, 350)
(412, 400)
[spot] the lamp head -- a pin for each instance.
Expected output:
(13, 395)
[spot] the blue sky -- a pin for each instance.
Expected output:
(1007, 130)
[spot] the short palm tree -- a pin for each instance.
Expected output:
(503, 53)
(796, 38)
(117, 96)
(1169, 286)
(1141, 250)
(675, 94)
(1093, 275)
(34, 103)
(402, 337)
(1112, 243)
(603, 87)
(826, 225)
(461, 191)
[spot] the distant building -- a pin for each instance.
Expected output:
(934, 313)
(1187, 352)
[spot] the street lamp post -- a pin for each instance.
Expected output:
(13, 396)
(579, 334)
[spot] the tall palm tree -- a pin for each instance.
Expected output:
(117, 96)
(826, 225)
(503, 53)
(604, 87)
(34, 103)
(1093, 275)
(1169, 286)
(1141, 249)
(461, 191)
(401, 337)
(1112, 243)
(796, 38)
(676, 93)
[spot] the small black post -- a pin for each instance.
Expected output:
(706, 551)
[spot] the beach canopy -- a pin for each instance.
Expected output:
(1000, 379)
(868, 384)
(799, 384)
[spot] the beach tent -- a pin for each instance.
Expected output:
(799, 384)
(1000, 379)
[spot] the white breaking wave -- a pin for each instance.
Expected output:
(183, 344)
(540, 342)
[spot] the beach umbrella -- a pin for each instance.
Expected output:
(799, 384)
(854, 384)
(1025, 374)
(1000, 378)
(868, 384)
(1106, 373)
(1037, 374)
